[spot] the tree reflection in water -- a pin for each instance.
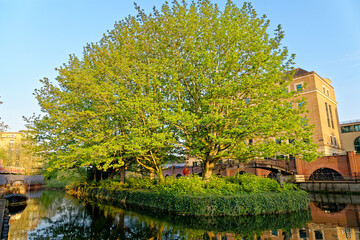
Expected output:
(58, 216)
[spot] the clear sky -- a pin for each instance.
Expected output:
(37, 36)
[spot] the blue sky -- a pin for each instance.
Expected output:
(37, 36)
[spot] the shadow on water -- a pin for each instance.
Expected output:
(56, 215)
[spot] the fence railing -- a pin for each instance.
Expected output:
(332, 177)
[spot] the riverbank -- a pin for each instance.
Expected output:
(249, 204)
(222, 197)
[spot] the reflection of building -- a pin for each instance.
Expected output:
(322, 107)
(350, 135)
(25, 221)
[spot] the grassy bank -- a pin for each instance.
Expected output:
(244, 195)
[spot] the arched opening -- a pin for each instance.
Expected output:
(330, 207)
(325, 174)
(167, 175)
(179, 175)
(357, 145)
(272, 175)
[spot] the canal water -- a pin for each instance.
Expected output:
(56, 215)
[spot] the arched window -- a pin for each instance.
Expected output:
(357, 145)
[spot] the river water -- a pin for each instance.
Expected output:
(56, 215)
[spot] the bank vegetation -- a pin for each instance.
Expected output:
(232, 196)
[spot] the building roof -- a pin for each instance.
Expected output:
(300, 72)
(349, 122)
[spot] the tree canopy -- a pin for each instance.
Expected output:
(189, 77)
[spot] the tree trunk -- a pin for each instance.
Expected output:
(122, 174)
(151, 174)
(207, 170)
(160, 175)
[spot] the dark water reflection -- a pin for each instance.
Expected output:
(55, 215)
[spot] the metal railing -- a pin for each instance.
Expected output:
(332, 177)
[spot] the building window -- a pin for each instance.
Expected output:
(318, 235)
(331, 117)
(332, 141)
(11, 142)
(274, 232)
(327, 114)
(300, 104)
(324, 90)
(357, 128)
(346, 129)
(299, 87)
(250, 142)
(357, 145)
(302, 234)
(328, 93)
(335, 142)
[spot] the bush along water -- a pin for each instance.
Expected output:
(242, 195)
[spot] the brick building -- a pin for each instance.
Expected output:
(322, 107)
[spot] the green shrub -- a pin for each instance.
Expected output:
(184, 185)
(55, 183)
(194, 185)
(209, 205)
(253, 184)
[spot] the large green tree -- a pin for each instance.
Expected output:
(191, 76)
(226, 79)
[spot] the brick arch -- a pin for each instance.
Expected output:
(312, 170)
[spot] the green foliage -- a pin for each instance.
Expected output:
(194, 185)
(187, 76)
(140, 183)
(208, 205)
(55, 183)
(65, 179)
(251, 183)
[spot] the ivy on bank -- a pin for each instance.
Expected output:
(233, 196)
(207, 205)
(194, 185)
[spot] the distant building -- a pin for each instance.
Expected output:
(9, 139)
(322, 107)
(350, 135)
